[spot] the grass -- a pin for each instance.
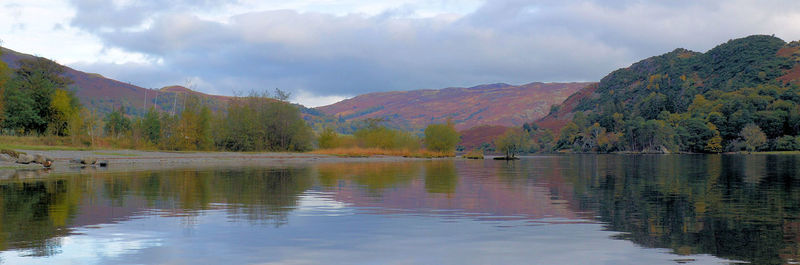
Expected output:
(40, 143)
(474, 154)
(368, 152)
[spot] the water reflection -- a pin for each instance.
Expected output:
(731, 206)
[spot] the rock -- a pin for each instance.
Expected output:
(39, 158)
(103, 163)
(11, 153)
(88, 160)
(24, 159)
(75, 161)
(6, 158)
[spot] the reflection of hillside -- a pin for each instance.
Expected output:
(736, 207)
(467, 186)
(730, 206)
(36, 212)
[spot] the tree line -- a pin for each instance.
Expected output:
(374, 134)
(37, 100)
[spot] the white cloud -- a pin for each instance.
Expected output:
(311, 100)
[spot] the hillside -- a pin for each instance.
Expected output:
(689, 101)
(102, 94)
(494, 104)
(476, 137)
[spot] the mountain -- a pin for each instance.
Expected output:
(104, 94)
(689, 100)
(493, 104)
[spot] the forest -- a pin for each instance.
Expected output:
(735, 97)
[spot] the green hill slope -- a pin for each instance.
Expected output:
(690, 101)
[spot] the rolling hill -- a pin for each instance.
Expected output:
(493, 104)
(682, 74)
(690, 101)
(104, 94)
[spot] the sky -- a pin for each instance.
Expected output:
(323, 51)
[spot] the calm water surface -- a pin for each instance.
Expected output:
(576, 209)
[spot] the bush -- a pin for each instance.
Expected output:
(441, 137)
(375, 136)
(260, 123)
(328, 139)
(512, 142)
(753, 137)
(786, 143)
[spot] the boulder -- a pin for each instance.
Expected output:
(25, 159)
(88, 160)
(39, 158)
(6, 158)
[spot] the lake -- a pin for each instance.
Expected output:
(559, 209)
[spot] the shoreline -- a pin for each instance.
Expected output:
(135, 160)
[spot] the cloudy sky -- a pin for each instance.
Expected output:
(326, 50)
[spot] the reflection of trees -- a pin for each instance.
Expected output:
(33, 214)
(263, 195)
(731, 206)
(440, 177)
(255, 194)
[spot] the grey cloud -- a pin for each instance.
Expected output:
(503, 41)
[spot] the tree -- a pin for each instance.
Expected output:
(20, 115)
(786, 143)
(694, 135)
(568, 135)
(753, 137)
(116, 123)
(771, 122)
(714, 144)
(151, 126)
(512, 142)
(441, 137)
(5, 75)
(92, 123)
(328, 138)
(28, 98)
(652, 105)
(63, 107)
(258, 122)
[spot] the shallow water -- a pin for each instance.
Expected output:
(572, 209)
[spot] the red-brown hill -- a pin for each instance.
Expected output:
(494, 104)
(475, 137)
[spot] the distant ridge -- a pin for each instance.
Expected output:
(490, 104)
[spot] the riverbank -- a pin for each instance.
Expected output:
(135, 160)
